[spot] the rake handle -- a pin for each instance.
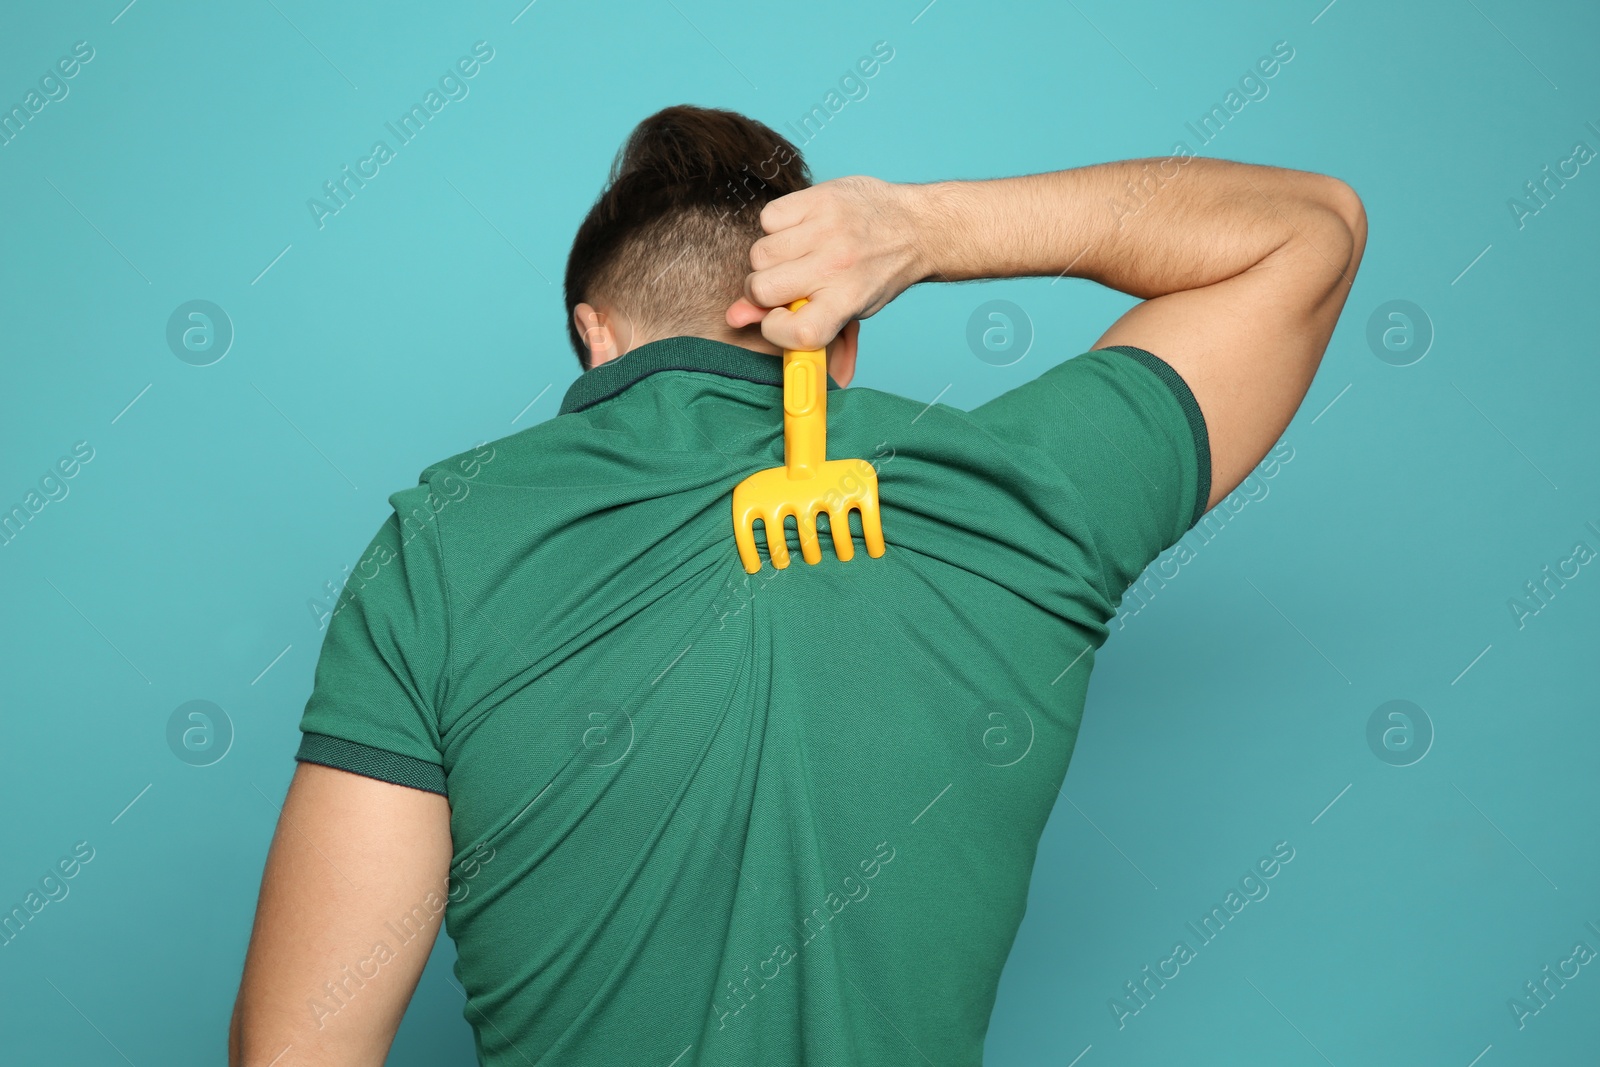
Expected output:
(805, 409)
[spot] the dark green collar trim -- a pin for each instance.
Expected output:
(674, 353)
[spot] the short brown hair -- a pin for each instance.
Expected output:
(684, 195)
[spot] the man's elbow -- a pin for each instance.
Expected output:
(1345, 204)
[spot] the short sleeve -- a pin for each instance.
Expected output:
(380, 680)
(1121, 426)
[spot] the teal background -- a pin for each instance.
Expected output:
(1228, 714)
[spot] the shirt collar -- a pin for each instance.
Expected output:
(673, 353)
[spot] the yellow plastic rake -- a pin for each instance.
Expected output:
(808, 483)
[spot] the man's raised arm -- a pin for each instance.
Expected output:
(1242, 269)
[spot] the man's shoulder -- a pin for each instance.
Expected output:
(510, 460)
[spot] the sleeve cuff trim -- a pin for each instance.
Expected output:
(1191, 412)
(370, 762)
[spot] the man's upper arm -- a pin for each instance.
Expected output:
(363, 846)
(1117, 455)
(326, 977)
(1249, 346)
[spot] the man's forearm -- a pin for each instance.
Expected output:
(1146, 227)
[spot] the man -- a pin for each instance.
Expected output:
(675, 814)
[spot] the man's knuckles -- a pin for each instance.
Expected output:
(762, 290)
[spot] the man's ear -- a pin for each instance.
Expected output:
(597, 334)
(842, 353)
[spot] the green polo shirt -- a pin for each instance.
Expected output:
(703, 817)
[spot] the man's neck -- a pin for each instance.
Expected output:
(749, 337)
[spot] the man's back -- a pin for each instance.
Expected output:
(676, 814)
(784, 817)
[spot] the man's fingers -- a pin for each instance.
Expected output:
(783, 246)
(798, 331)
(809, 329)
(742, 313)
(774, 329)
(784, 283)
(787, 210)
(821, 243)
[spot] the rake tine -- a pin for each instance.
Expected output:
(777, 540)
(844, 545)
(810, 547)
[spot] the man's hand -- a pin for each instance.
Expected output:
(849, 246)
(355, 864)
